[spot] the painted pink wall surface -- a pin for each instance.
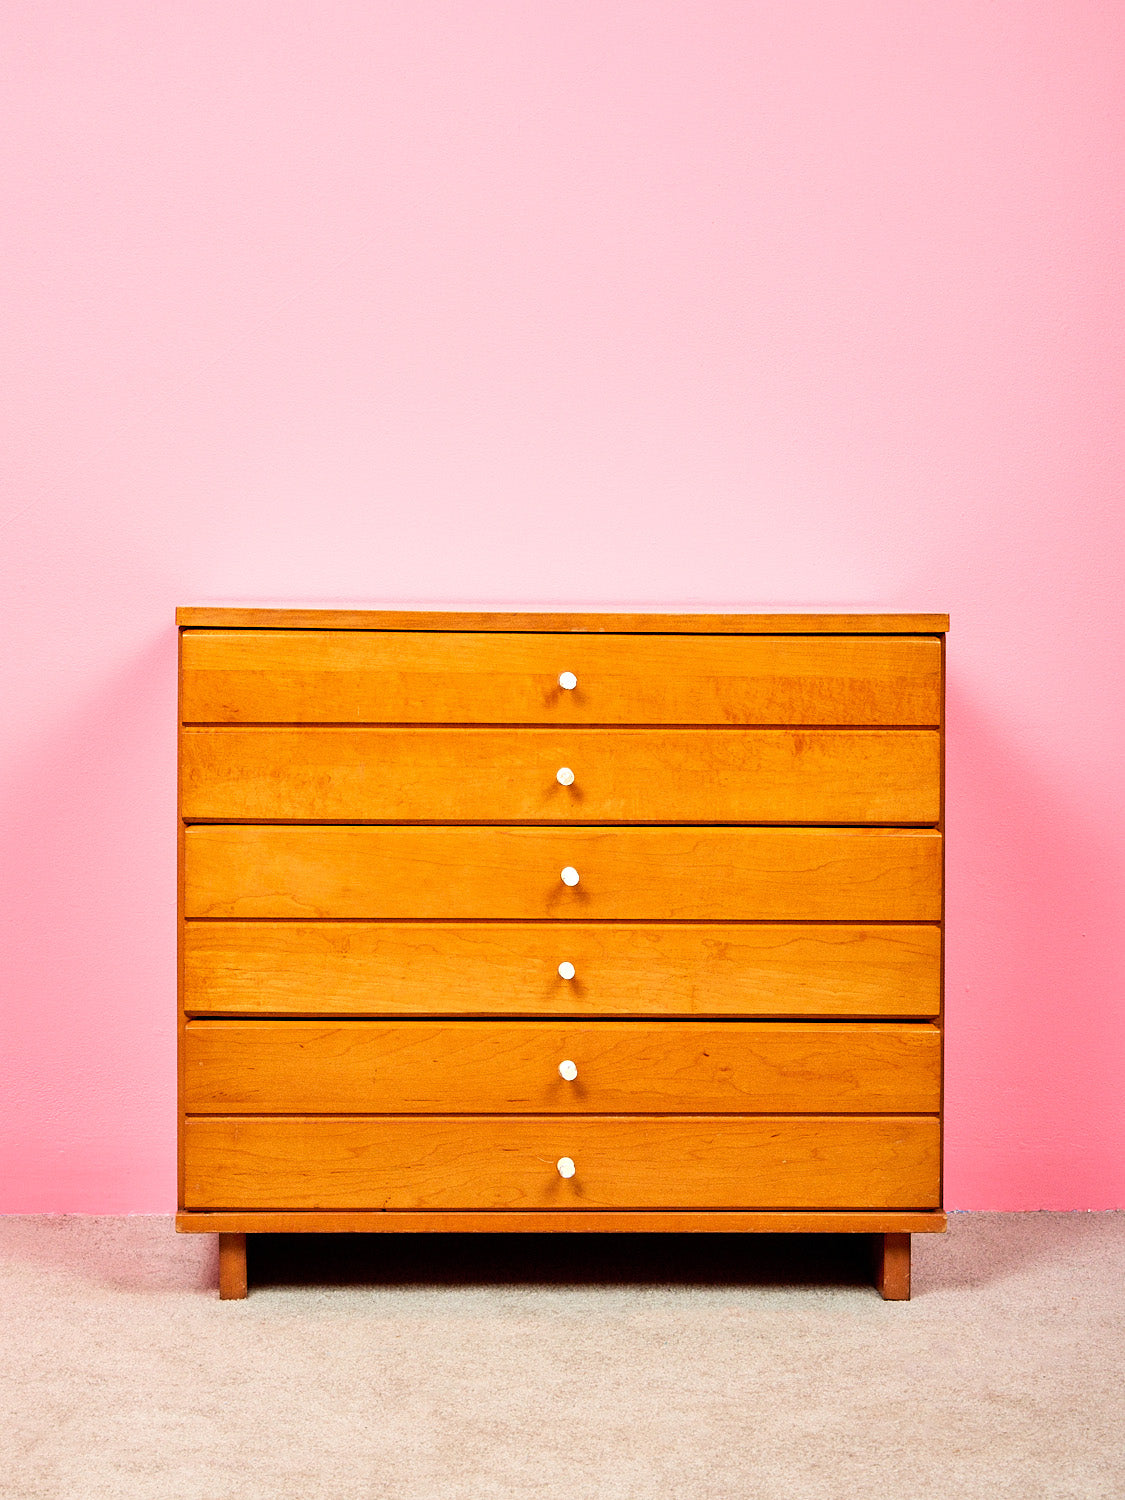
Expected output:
(602, 304)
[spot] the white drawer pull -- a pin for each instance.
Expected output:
(568, 1070)
(565, 1166)
(570, 876)
(566, 970)
(568, 681)
(564, 776)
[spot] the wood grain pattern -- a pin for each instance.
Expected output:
(232, 1266)
(459, 1162)
(680, 1124)
(700, 874)
(497, 1067)
(506, 969)
(509, 775)
(892, 1267)
(578, 1221)
(220, 617)
(324, 676)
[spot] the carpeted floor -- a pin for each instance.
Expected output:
(593, 1369)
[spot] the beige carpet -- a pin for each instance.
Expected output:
(601, 1368)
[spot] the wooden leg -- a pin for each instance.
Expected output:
(232, 1266)
(892, 1266)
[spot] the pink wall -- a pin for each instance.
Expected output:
(596, 303)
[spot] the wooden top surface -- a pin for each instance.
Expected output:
(206, 617)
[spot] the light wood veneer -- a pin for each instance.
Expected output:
(485, 1162)
(663, 874)
(644, 969)
(395, 677)
(489, 1067)
(372, 922)
(510, 775)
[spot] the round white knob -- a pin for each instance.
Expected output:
(570, 876)
(566, 970)
(564, 776)
(565, 1166)
(569, 1071)
(568, 681)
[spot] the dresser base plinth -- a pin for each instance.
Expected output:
(579, 1221)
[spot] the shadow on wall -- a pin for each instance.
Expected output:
(88, 1073)
(1035, 1025)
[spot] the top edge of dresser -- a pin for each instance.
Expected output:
(205, 617)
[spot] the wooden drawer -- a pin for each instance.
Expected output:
(496, 1067)
(434, 677)
(695, 874)
(509, 775)
(496, 1162)
(511, 968)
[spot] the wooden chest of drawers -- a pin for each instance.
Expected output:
(580, 922)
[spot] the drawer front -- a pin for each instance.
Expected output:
(502, 968)
(418, 677)
(482, 1162)
(496, 1067)
(694, 874)
(511, 775)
